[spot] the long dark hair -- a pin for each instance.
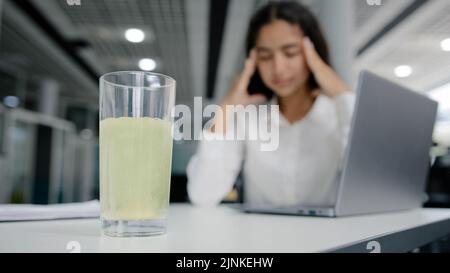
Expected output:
(293, 13)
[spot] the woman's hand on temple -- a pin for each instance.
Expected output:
(329, 82)
(239, 93)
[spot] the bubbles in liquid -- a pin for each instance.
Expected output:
(135, 168)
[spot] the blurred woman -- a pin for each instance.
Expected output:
(288, 63)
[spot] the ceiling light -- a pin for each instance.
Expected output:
(403, 71)
(445, 44)
(147, 64)
(134, 35)
(11, 101)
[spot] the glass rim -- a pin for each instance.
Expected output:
(172, 80)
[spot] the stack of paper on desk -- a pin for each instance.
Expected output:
(19, 212)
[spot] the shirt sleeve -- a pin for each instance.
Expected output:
(212, 171)
(345, 105)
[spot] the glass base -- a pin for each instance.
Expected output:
(133, 228)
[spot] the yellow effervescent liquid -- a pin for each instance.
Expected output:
(135, 168)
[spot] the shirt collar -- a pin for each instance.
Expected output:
(314, 113)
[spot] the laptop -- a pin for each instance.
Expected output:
(386, 160)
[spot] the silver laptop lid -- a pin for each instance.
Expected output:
(386, 162)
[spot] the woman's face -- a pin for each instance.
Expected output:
(281, 62)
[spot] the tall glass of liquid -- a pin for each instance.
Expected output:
(135, 152)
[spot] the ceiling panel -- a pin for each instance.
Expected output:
(416, 42)
(102, 24)
(22, 56)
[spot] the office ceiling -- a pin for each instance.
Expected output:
(414, 42)
(89, 41)
(101, 23)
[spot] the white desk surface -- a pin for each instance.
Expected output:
(224, 229)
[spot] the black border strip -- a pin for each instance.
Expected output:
(217, 19)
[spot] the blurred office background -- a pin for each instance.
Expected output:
(52, 53)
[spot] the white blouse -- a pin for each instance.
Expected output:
(300, 172)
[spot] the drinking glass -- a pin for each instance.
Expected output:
(135, 152)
